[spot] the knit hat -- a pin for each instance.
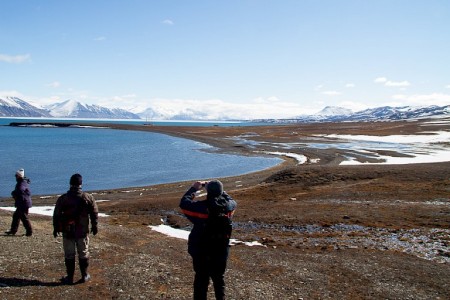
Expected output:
(214, 188)
(76, 180)
(20, 173)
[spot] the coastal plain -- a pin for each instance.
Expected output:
(327, 230)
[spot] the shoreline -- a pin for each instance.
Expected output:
(228, 140)
(221, 146)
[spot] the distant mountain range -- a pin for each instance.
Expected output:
(16, 107)
(75, 109)
(385, 113)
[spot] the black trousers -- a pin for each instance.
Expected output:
(211, 264)
(21, 214)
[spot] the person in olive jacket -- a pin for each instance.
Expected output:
(22, 202)
(71, 216)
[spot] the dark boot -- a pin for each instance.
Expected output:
(70, 269)
(84, 264)
(28, 228)
(26, 222)
(15, 223)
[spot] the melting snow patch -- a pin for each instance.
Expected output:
(429, 137)
(42, 210)
(170, 231)
(422, 148)
(250, 244)
(301, 159)
(184, 234)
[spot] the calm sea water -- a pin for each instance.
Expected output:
(110, 159)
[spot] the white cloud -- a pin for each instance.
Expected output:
(332, 93)
(129, 101)
(390, 83)
(380, 80)
(259, 108)
(15, 59)
(54, 84)
(350, 85)
(318, 87)
(354, 106)
(4, 94)
(397, 83)
(447, 86)
(168, 22)
(266, 100)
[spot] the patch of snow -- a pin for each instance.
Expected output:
(172, 232)
(431, 137)
(301, 159)
(42, 210)
(250, 244)
(422, 148)
(431, 157)
(184, 235)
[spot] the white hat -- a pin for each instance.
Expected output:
(20, 173)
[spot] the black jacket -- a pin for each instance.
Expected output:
(197, 213)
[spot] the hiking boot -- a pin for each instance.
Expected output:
(29, 234)
(9, 232)
(70, 269)
(67, 280)
(85, 278)
(84, 264)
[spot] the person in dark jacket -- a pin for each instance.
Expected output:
(71, 216)
(22, 202)
(209, 261)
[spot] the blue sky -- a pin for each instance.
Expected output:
(253, 58)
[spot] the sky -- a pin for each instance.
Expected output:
(252, 58)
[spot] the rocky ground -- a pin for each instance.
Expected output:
(328, 231)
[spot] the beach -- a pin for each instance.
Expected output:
(326, 229)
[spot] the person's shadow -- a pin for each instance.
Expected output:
(19, 282)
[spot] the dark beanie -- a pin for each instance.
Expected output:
(214, 188)
(76, 180)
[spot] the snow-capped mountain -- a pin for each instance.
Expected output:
(152, 114)
(75, 109)
(185, 114)
(15, 107)
(386, 113)
(398, 113)
(334, 111)
(325, 114)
